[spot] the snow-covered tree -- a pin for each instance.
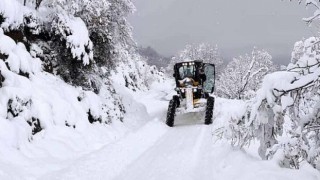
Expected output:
(107, 25)
(289, 102)
(83, 42)
(242, 76)
(284, 115)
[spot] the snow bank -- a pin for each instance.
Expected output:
(19, 59)
(41, 96)
(44, 120)
(228, 113)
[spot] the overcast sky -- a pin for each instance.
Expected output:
(234, 25)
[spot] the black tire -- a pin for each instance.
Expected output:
(209, 111)
(176, 98)
(173, 104)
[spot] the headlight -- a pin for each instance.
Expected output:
(195, 90)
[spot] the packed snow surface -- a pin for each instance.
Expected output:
(153, 151)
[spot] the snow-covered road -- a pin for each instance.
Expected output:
(144, 148)
(187, 151)
(181, 153)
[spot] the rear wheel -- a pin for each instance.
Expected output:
(173, 104)
(209, 111)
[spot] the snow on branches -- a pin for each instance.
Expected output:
(71, 30)
(75, 33)
(316, 13)
(243, 75)
(284, 114)
(18, 59)
(12, 12)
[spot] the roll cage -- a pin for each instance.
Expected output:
(192, 69)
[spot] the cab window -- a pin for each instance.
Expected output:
(209, 71)
(186, 71)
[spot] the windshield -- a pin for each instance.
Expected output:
(186, 71)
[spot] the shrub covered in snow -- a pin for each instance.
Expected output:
(136, 74)
(284, 115)
(42, 100)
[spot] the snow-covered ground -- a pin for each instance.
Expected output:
(150, 150)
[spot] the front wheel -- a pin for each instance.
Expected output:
(209, 110)
(173, 104)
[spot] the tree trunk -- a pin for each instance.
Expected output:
(38, 2)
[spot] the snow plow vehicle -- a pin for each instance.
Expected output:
(195, 82)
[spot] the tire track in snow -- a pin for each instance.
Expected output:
(174, 156)
(112, 159)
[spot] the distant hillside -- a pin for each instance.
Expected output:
(153, 57)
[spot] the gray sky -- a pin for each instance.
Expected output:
(234, 25)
